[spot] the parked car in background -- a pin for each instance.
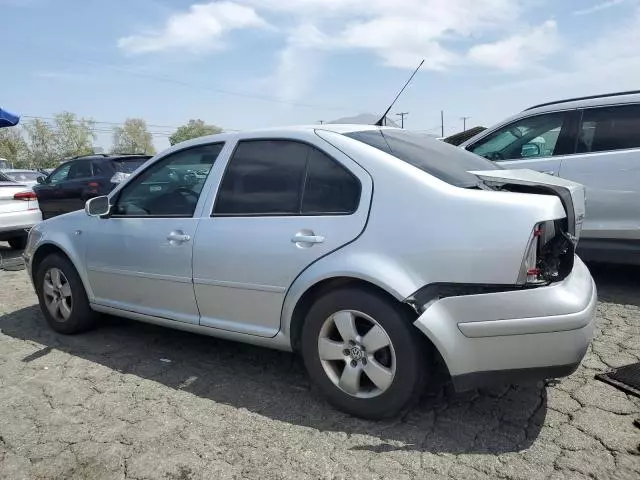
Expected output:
(70, 185)
(371, 251)
(26, 177)
(18, 212)
(591, 140)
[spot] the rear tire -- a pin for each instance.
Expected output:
(373, 376)
(18, 243)
(62, 297)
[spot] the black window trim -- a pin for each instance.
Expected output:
(569, 129)
(193, 147)
(583, 110)
(302, 186)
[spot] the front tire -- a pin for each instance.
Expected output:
(363, 352)
(62, 297)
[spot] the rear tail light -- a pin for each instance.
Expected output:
(25, 196)
(120, 177)
(93, 184)
(529, 272)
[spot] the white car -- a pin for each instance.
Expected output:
(25, 177)
(19, 212)
(370, 251)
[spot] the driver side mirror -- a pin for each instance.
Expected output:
(97, 206)
(530, 150)
(41, 179)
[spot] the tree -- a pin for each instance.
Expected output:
(193, 129)
(12, 146)
(132, 137)
(41, 147)
(73, 136)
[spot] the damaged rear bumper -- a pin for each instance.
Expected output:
(514, 336)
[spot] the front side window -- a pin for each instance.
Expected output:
(60, 175)
(170, 187)
(609, 128)
(529, 137)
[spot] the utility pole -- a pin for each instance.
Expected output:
(442, 123)
(464, 123)
(402, 115)
(321, 121)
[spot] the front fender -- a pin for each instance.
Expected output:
(70, 243)
(370, 267)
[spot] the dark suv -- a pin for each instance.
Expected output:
(70, 185)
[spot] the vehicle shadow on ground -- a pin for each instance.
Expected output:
(274, 384)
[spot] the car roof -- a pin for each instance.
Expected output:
(604, 99)
(277, 132)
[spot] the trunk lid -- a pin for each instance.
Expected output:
(571, 194)
(7, 202)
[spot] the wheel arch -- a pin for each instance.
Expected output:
(48, 248)
(310, 285)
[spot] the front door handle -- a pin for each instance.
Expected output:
(302, 238)
(548, 172)
(178, 237)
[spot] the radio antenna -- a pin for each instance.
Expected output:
(380, 122)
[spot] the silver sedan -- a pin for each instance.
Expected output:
(370, 251)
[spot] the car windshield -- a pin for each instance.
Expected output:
(23, 176)
(128, 165)
(445, 162)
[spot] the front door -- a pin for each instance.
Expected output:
(537, 142)
(139, 259)
(281, 206)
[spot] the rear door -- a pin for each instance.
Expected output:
(607, 162)
(538, 142)
(281, 205)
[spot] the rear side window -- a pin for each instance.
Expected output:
(128, 165)
(263, 177)
(609, 128)
(329, 187)
(445, 162)
(283, 177)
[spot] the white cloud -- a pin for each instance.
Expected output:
(200, 29)
(599, 7)
(520, 51)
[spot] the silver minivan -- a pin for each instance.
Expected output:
(592, 140)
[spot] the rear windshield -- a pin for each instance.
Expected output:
(128, 165)
(445, 162)
(23, 176)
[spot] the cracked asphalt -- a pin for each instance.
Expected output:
(134, 401)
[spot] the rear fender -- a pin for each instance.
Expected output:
(365, 266)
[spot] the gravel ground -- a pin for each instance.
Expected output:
(135, 401)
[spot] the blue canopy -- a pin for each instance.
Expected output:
(8, 119)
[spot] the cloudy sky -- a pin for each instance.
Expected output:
(251, 63)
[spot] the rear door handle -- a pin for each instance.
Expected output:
(178, 237)
(300, 238)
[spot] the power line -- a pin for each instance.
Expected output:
(166, 79)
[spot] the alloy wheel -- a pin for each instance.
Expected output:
(357, 354)
(57, 294)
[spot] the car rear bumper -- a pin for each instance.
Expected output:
(514, 336)
(20, 222)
